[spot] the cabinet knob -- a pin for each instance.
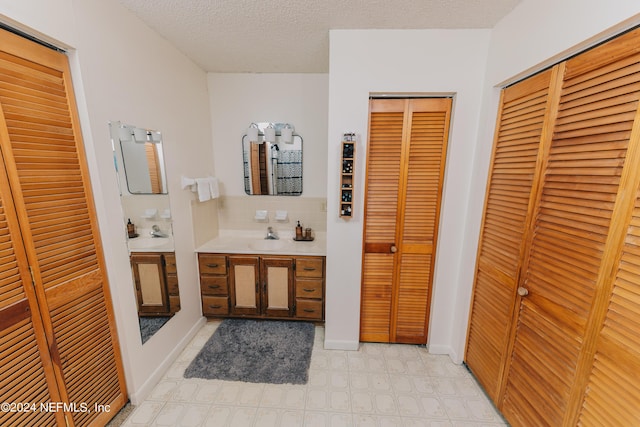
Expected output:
(393, 249)
(523, 292)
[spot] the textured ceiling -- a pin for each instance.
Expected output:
(292, 36)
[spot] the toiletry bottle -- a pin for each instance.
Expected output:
(298, 231)
(131, 229)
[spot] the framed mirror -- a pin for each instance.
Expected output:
(145, 206)
(272, 160)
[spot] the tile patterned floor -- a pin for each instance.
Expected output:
(380, 385)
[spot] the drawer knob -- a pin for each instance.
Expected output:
(308, 290)
(308, 310)
(213, 265)
(214, 286)
(215, 306)
(309, 269)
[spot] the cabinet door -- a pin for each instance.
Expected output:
(151, 287)
(277, 288)
(244, 291)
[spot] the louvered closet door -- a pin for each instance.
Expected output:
(386, 124)
(597, 108)
(26, 372)
(405, 164)
(44, 156)
(422, 168)
(515, 167)
(613, 391)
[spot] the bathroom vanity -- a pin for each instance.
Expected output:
(244, 275)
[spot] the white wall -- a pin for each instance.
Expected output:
(388, 61)
(123, 70)
(237, 100)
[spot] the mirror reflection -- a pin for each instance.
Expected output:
(142, 160)
(144, 199)
(272, 161)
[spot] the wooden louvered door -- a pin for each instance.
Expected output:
(406, 158)
(525, 110)
(26, 372)
(612, 390)
(574, 230)
(43, 155)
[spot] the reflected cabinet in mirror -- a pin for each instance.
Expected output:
(272, 160)
(147, 224)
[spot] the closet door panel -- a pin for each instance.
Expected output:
(571, 230)
(381, 201)
(50, 185)
(618, 346)
(423, 167)
(524, 110)
(26, 374)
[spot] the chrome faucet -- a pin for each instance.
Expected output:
(155, 232)
(271, 235)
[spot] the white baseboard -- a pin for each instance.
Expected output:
(445, 349)
(341, 345)
(143, 392)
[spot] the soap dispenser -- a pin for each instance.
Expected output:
(298, 231)
(131, 229)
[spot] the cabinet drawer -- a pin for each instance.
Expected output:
(215, 306)
(309, 309)
(212, 264)
(309, 288)
(172, 285)
(214, 285)
(170, 263)
(309, 267)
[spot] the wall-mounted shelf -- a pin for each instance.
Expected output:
(346, 174)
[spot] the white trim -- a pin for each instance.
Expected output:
(341, 345)
(143, 391)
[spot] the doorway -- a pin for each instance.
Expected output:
(405, 170)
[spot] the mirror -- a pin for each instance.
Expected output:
(142, 160)
(144, 199)
(272, 165)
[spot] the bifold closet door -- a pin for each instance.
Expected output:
(565, 353)
(26, 372)
(405, 168)
(43, 155)
(522, 120)
(585, 186)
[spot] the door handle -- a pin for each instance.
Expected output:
(523, 292)
(393, 249)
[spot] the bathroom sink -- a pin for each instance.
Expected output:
(266, 245)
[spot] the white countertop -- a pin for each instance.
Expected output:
(145, 243)
(251, 242)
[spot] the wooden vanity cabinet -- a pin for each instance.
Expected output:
(309, 288)
(171, 275)
(214, 284)
(156, 282)
(277, 286)
(262, 286)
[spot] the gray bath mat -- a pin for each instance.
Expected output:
(256, 351)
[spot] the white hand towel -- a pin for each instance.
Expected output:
(213, 187)
(204, 190)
